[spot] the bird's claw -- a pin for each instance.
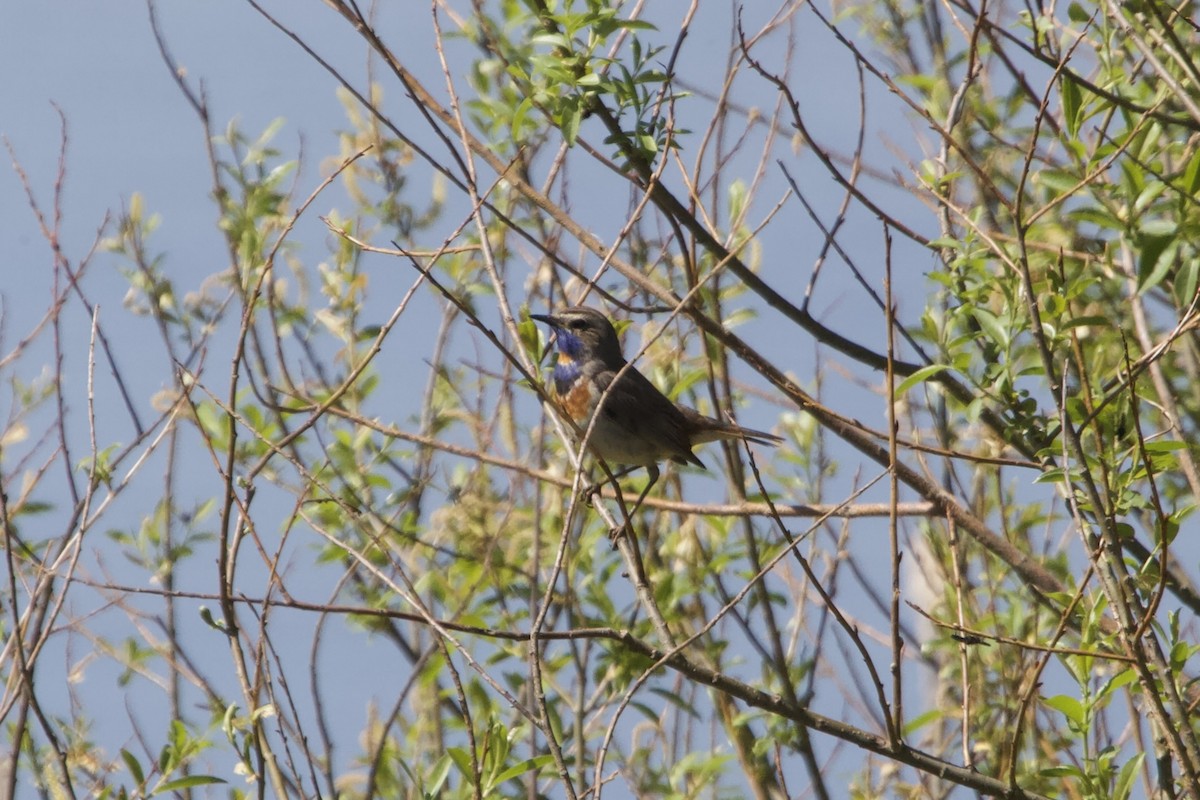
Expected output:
(589, 494)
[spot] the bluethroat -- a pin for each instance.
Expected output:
(637, 425)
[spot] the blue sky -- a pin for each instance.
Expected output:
(131, 130)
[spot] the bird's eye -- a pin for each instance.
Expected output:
(576, 324)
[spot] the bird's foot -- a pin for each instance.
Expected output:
(589, 493)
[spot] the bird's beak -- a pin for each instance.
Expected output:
(552, 321)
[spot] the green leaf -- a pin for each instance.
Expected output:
(1127, 776)
(1069, 707)
(228, 720)
(920, 376)
(527, 765)
(1180, 653)
(518, 119)
(437, 777)
(921, 720)
(1145, 199)
(737, 199)
(1120, 680)
(1072, 101)
(1191, 174)
(1157, 253)
(1056, 180)
(166, 760)
(268, 134)
(1056, 475)
(1098, 217)
(1165, 446)
(1076, 322)
(461, 758)
(1065, 771)
(187, 783)
(571, 119)
(551, 40)
(134, 767)
(1186, 280)
(991, 326)
(207, 616)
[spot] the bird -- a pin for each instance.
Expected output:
(637, 425)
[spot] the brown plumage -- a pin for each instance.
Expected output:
(638, 426)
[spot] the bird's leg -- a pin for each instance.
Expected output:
(593, 489)
(652, 471)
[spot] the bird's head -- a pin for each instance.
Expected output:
(581, 333)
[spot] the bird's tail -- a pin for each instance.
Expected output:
(731, 431)
(707, 429)
(769, 439)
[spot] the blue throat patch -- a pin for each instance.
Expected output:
(568, 343)
(566, 372)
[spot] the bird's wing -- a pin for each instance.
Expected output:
(637, 405)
